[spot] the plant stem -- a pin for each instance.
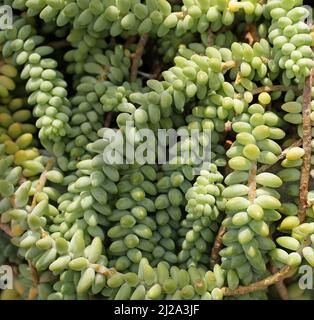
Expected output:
(108, 119)
(214, 257)
(137, 56)
(59, 44)
(265, 167)
(280, 285)
(307, 139)
(260, 285)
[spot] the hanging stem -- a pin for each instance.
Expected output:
(108, 120)
(307, 139)
(59, 44)
(280, 285)
(137, 56)
(214, 257)
(283, 273)
(265, 167)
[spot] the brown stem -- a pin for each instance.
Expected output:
(59, 44)
(280, 285)
(214, 256)
(6, 229)
(279, 276)
(137, 56)
(260, 285)
(157, 71)
(130, 41)
(307, 139)
(108, 120)
(265, 167)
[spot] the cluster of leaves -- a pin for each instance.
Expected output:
(73, 226)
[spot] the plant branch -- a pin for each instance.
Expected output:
(59, 44)
(260, 285)
(280, 285)
(307, 139)
(108, 119)
(214, 257)
(137, 56)
(279, 276)
(265, 167)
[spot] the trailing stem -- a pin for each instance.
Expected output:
(283, 273)
(307, 139)
(214, 257)
(137, 56)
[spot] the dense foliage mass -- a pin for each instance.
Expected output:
(73, 226)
